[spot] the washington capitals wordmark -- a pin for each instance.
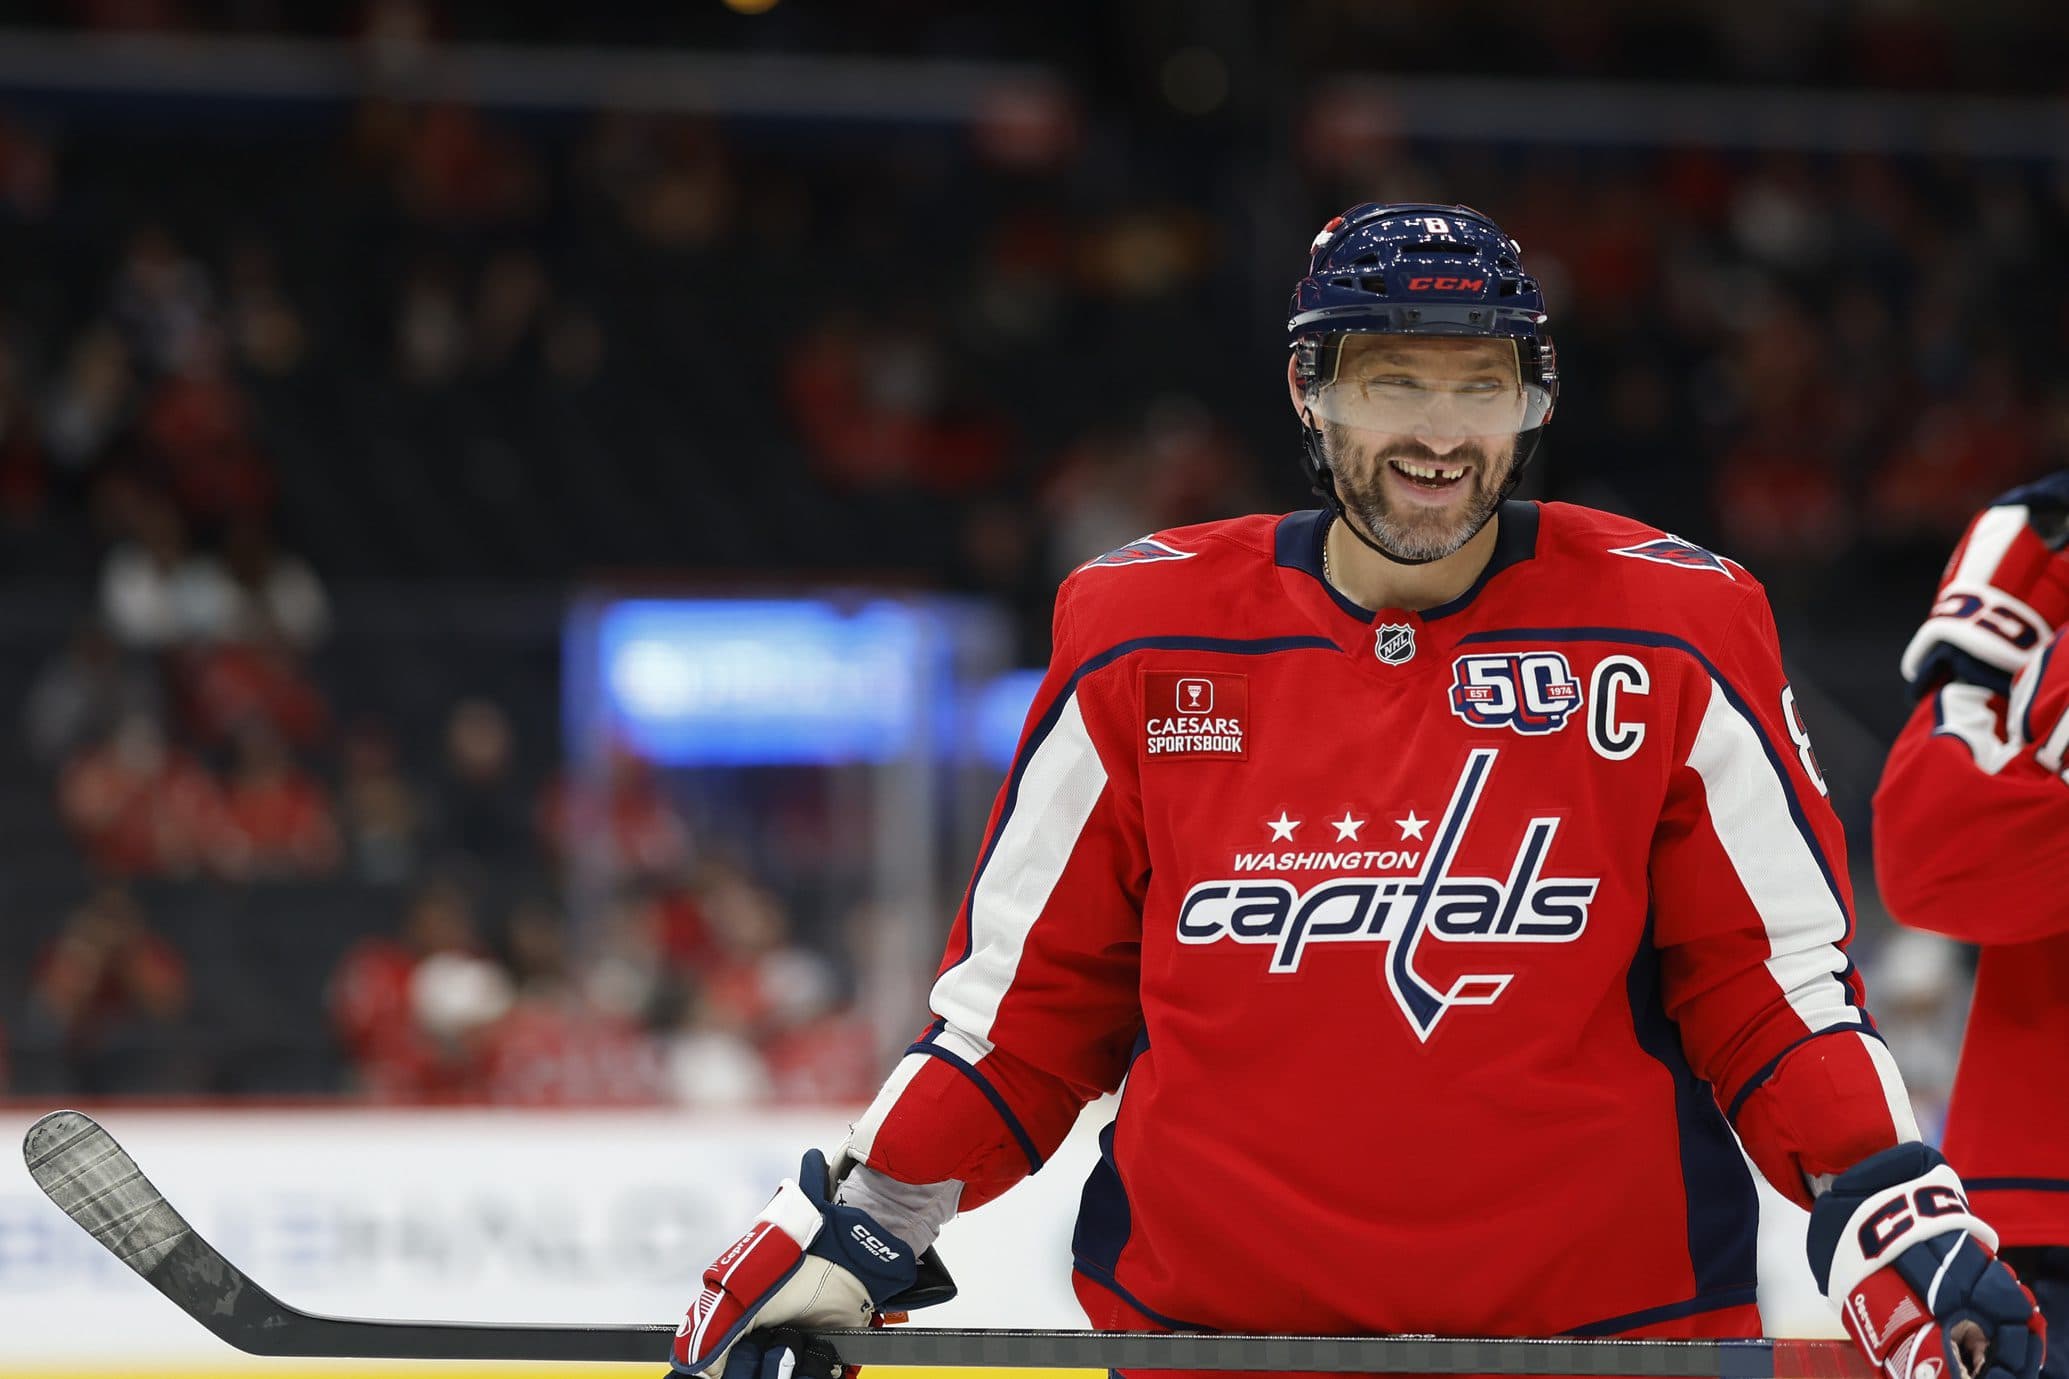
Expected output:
(1525, 907)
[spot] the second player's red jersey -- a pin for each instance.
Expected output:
(1972, 841)
(1441, 952)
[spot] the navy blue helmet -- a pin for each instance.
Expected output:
(1417, 269)
(1422, 269)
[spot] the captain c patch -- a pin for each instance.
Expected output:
(1195, 715)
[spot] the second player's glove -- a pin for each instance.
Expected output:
(807, 1263)
(2003, 593)
(1916, 1277)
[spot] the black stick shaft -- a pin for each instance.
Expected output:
(96, 1183)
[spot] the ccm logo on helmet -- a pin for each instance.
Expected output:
(1894, 1220)
(1447, 284)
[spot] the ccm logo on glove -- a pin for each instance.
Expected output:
(1895, 1219)
(874, 1245)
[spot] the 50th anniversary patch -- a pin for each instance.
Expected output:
(1189, 715)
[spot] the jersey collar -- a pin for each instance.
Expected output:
(1298, 547)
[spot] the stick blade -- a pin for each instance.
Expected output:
(93, 1180)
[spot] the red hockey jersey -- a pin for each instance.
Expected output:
(1972, 841)
(1440, 951)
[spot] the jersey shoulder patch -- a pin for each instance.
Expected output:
(1142, 551)
(1668, 549)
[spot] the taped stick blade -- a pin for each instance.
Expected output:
(93, 1180)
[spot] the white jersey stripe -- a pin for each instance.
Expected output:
(1995, 531)
(963, 1044)
(1063, 781)
(862, 1138)
(1893, 1094)
(1749, 811)
(1966, 713)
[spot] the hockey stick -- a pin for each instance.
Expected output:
(96, 1183)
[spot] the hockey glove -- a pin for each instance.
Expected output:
(1916, 1277)
(2003, 593)
(807, 1263)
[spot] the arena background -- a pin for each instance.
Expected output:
(409, 843)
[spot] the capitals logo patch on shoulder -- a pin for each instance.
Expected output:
(1673, 550)
(1195, 715)
(1142, 551)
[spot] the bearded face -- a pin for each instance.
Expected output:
(1420, 432)
(1416, 500)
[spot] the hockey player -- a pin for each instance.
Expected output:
(1448, 876)
(1972, 841)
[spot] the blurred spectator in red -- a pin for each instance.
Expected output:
(1174, 465)
(1960, 451)
(22, 475)
(552, 1047)
(396, 1056)
(198, 426)
(627, 972)
(253, 682)
(382, 814)
(1779, 490)
(82, 693)
(27, 172)
(155, 592)
(107, 1003)
(455, 167)
(276, 592)
(140, 807)
(780, 998)
(627, 829)
(279, 813)
(878, 410)
(822, 1056)
(482, 813)
(708, 1059)
(759, 978)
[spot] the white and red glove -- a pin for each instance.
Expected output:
(1915, 1274)
(807, 1263)
(2004, 592)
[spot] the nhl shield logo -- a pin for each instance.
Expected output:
(1394, 643)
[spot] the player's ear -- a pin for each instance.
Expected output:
(1293, 389)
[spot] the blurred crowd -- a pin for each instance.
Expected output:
(400, 343)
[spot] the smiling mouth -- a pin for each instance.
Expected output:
(1428, 476)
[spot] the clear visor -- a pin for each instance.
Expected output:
(1407, 386)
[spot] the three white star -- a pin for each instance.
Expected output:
(1347, 827)
(1282, 827)
(1411, 827)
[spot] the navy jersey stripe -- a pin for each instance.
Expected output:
(1767, 1069)
(1673, 1311)
(1723, 1208)
(991, 1094)
(1233, 646)
(2017, 1184)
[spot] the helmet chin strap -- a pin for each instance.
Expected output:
(1323, 478)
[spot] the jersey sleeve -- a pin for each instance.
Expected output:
(1036, 1005)
(1752, 915)
(1972, 816)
